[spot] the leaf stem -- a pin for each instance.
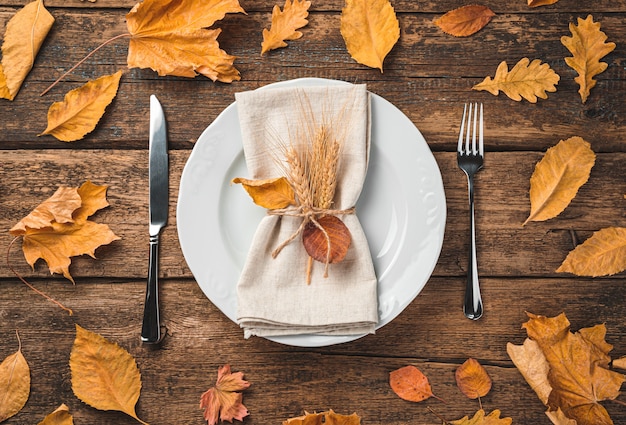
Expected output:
(431, 410)
(83, 60)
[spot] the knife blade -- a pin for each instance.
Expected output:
(158, 207)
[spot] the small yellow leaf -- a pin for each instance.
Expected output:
(285, 23)
(14, 384)
(536, 3)
(61, 416)
(272, 194)
(472, 379)
(24, 35)
(528, 80)
(104, 375)
(465, 21)
(558, 176)
(480, 419)
(82, 108)
(603, 254)
(588, 45)
(370, 29)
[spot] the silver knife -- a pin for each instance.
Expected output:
(159, 206)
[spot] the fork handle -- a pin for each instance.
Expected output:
(473, 306)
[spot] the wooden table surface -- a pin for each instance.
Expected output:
(428, 75)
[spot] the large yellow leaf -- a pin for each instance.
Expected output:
(172, 38)
(528, 80)
(104, 375)
(588, 45)
(370, 29)
(285, 24)
(14, 384)
(24, 35)
(465, 20)
(480, 419)
(603, 254)
(558, 176)
(61, 416)
(269, 193)
(82, 108)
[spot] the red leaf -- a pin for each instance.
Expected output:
(222, 401)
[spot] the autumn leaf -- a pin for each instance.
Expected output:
(370, 29)
(324, 418)
(332, 233)
(172, 38)
(23, 37)
(472, 379)
(61, 416)
(272, 194)
(480, 419)
(536, 3)
(465, 20)
(588, 45)
(603, 254)
(409, 383)
(620, 363)
(558, 176)
(528, 80)
(14, 383)
(49, 234)
(223, 401)
(532, 364)
(82, 108)
(285, 24)
(104, 375)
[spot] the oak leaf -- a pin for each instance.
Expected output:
(472, 379)
(603, 254)
(14, 384)
(285, 24)
(61, 416)
(104, 375)
(409, 383)
(557, 177)
(172, 38)
(81, 109)
(324, 418)
(536, 3)
(370, 29)
(56, 233)
(223, 401)
(23, 37)
(528, 80)
(480, 419)
(465, 21)
(272, 194)
(588, 45)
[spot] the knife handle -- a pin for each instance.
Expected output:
(151, 328)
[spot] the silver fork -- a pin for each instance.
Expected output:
(470, 159)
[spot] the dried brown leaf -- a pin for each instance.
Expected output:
(603, 254)
(465, 21)
(532, 364)
(472, 379)
(14, 384)
(317, 243)
(224, 401)
(272, 194)
(324, 418)
(480, 419)
(285, 24)
(409, 383)
(61, 416)
(536, 3)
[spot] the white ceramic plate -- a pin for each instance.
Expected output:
(402, 210)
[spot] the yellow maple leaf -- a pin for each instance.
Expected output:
(370, 29)
(588, 45)
(285, 24)
(528, 80)
(14, 384)
(104, 375)
(603, 254)
(480, 419)
(535, 3)
(172, 38)
(57, 241)
(61, 416)
(24, 35)
(558, 176)
(81, 109)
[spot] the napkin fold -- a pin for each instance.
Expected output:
(273, 296)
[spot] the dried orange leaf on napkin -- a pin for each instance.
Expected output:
(588, 45)
(23, 37)
(603, 254)
(324, 418)
(536, 3)
(272, 194)
(409, 383)
(224, 401)
(14, 384)
(465, 21)
(330, 240)
(82, 108)
(285, 24)
(472, 379)
(480, 419)
(528, 80)
(172, 38)
(558, 176)
(61, 416)
(370, 29)
(104, 375)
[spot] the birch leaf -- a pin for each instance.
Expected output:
(285, 24)
(409, 383)
(528, 80)
(24, 35)
(171, 37)
(479, 418)
(14, 384)
(82, 108)
(536, 3)
(370, 29)
(104, 375)
(272, 194)
(472, 379)
(603, 254)
(558, 176)
(61, 416)
(465, 20)
(588, 45)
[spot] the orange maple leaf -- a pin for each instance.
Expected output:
(222, 401)
(285, 23)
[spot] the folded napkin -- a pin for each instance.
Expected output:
(273, 295)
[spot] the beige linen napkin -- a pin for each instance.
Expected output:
(273, 296)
